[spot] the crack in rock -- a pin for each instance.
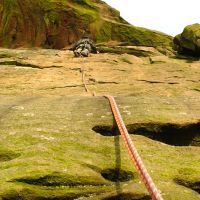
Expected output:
(128, 196)
(107, 82)
(193, 185)
(61, 87)
(148, 81)
(20, 64)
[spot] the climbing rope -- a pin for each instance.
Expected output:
(155, 194)
(153, 191)
(83, 80)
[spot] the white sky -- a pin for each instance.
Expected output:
(168, 16)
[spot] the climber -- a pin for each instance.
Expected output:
(84, 46)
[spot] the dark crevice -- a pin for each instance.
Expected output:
(58, 180)
(172, 83)
(175, 76)
(192, 185)
(188, 53)
(121, 70)
(148, 81)
(106, 130)
(172, 134)
(128, 196)
(8, 155)
(153, 82)
(14, 38)
(29, 194)
(61, 87)
(14, 62)
(195, 89)
(116, 175)
(20, 64)
(102, 82)
(107, 82)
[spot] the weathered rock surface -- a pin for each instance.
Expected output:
(188, 42)
(57, 141)
(139, 51)
(60, 23)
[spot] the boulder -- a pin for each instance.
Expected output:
(188, 42)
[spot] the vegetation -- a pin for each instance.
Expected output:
(188, 42)
(56, 24)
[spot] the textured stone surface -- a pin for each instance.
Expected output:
(48, 146)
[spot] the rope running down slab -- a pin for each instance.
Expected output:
(155, 194)
(153, 191)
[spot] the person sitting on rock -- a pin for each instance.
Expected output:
(84, 46)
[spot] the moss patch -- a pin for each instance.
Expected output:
(125, 196)
(58, 179)
(7, 155)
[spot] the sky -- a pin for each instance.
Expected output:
(168, 16)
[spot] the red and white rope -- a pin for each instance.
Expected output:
(153, 191)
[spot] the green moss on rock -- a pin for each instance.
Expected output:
(56, 24)
(188, 42)
(59, 179)
(6, 154)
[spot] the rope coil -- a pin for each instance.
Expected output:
(155, 194)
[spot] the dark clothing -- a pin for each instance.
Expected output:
(83, 47)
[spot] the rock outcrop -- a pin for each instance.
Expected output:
(56, 24)
(188, 42)
(58, 142)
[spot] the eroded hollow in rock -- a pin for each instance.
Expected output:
(31, 194)
(58, 179)
(172, 134)
(116, 175)
(106, 130)
(8, 155)
(128, 196)
(192, 185)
